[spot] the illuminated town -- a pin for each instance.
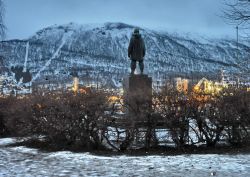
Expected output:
(145, 88)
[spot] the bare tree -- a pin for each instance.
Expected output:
(2, 26)
(238, 12)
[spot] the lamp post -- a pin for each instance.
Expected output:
(237, 38)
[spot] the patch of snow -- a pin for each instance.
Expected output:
(22, 149)
(21, 161)
(7, 141)
(72, 164)
(117, 83)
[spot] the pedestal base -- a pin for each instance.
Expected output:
(138, 96)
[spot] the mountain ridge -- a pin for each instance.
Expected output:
(99, 51)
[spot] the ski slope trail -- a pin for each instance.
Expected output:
(26, 57)
(65, 37)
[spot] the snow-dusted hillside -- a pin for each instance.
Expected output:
(99, 52)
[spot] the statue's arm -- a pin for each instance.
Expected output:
(144, 48)
(130, 47)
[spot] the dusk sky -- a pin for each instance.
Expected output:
(24, 17)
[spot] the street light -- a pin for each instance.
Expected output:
(237, 37)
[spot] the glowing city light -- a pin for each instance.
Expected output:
(75, 84)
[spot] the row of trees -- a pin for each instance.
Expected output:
(201, 118)
(93, 121)
(189, 119)
(64, 119)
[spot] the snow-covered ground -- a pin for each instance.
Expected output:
(22, 161)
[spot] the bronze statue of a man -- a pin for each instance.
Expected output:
(136, 50)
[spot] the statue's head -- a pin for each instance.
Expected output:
(136, 31)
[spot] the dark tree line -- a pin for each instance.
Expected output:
(190, 119)
(91, 121)
(64, 119)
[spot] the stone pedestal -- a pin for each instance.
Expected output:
(138, 96)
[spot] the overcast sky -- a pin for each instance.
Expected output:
(25, 17)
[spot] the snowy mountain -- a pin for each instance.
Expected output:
(99, 52)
